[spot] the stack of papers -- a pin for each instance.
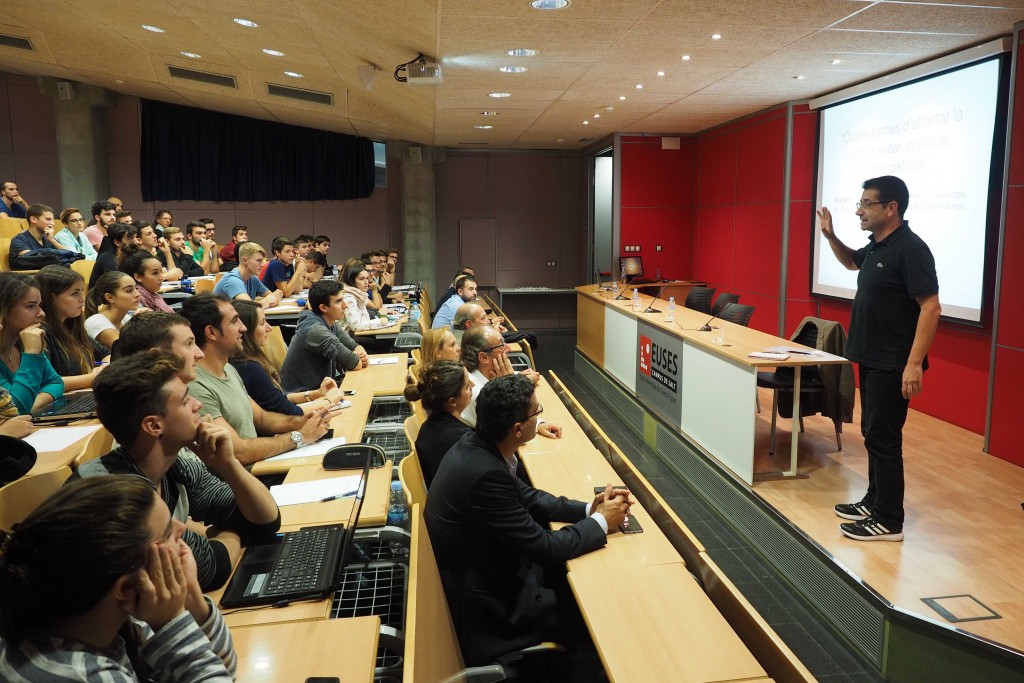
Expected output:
(768, 355)
(794, 349)
(387, 360)
(315, 491)
(313, 449)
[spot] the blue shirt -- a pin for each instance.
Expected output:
(276, 272)
(80, 244)
(445, 315)
(231, 285)
(24, 241)
(35, 376)
(15, 210)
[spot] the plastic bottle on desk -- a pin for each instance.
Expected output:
(670, 314)
(622, 275)
(615, 288)
(636, 300)
(414, 315)
(186, 285)
(398, 515)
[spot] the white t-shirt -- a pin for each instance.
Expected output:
(97, 323)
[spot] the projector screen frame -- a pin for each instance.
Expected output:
(998, 51)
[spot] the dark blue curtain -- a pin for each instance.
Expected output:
(194, 154)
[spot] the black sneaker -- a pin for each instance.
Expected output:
(870, 529)
(854, 511)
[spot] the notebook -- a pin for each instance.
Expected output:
(76, 406)
(296, 565)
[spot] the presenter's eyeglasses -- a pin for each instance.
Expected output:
(868, 205)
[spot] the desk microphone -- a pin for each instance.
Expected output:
(707, 325)
(651, 308)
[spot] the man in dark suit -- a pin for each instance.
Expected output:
(490, 534)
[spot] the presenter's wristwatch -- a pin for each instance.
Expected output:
(297, 439)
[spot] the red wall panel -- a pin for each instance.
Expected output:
(760, 159)
(716, 180)
(1004, 435)
(1011, 325)
(716, 246)
(758, 248)
(956, 383)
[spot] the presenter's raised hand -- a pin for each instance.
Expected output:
(825, 222)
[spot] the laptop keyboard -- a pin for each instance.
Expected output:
(86, 403)
(298, 567)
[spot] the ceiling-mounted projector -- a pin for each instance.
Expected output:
(419, 72)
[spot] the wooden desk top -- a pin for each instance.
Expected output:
(346, 648)
(690, 641)
(739, 340)
(380, 380)
(374, 512)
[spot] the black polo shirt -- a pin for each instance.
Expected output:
(893, 274)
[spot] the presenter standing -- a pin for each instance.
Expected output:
(895, 314)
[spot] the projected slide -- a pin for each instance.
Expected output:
(937, 136)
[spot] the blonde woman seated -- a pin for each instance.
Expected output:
(439, 344)
(97, 584)
(262, 380)
(111, 301)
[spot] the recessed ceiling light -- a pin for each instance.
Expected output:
(560, 140)
(293, 74)
(273, 53)
(512, 69)
(597, 116)
(836, 61)
(661, 73)
(717, 36)
(549, 4)
(154, 29)
(639, 86)
(499, 94)
(489, 113)
(686, 58)
(586, 123)
(609, 108)
(798, 78)
(119, 81)
(191, 55)
(522, 52)
(483, 127)
(622, 97)
(246, 23)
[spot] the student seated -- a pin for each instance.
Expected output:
(262, 380)
(25, 370)
(356, 295)
(465, 291)
(218, 331)
(143, 402)
(112, 299)
(72, 237)
(96, 584)
(73, 354)
(320, 347)
(439, 344)
(243, 282)
(38, 236)
(145, 269)
(499, 561)
(182, 259)
(445, 389)
(202, 247)
(285, 271)
(168, 332)
(121, 238)
(12, 424)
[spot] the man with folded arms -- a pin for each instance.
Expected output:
(218, 331)
(491, 536)
(144, 403)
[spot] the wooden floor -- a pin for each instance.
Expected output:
(964, 523)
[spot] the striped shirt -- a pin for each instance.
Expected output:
(191, 490)
(180, 652)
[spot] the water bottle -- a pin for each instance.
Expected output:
(398, 515)
(670, 314)
(415, 314)
(636, 300)
(186, 285)
(622, 274)
(657, 274)
(615, 288)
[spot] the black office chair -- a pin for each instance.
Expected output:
(723, 300)
(737, 313)
(699, 299)
(810, 383)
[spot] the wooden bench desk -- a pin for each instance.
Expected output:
(374, 512)
(345, 648)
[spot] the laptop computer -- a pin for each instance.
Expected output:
(80, 405)
(295, 565)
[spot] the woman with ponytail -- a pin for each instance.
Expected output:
(445, 389)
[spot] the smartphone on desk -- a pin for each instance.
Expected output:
(618, 487)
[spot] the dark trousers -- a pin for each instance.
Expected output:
(883, 411)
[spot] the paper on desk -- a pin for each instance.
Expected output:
(768, 355)
(58, 438)
(314, 491)
(390, 360)
(318, 448)
(794, 349)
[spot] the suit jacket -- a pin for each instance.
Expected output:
(490, 537)
(439, 433)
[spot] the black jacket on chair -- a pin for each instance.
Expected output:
(490, 536)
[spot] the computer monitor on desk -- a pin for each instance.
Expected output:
(632, 266)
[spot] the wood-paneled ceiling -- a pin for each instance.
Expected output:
(592, 54)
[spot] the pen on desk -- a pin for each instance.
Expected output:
(328, 499)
